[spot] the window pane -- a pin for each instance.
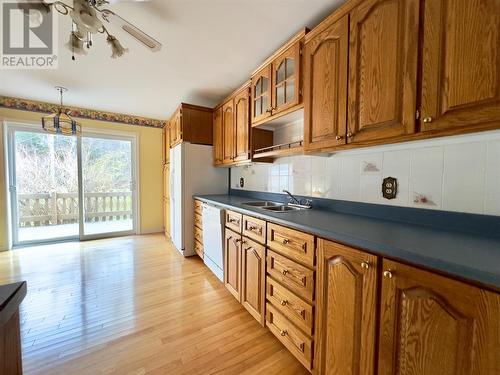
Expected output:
(257, 107)
(290, 67)
(264, 84)
(290, 90)
(258, 88)
(265, 103)
(280, 76)
(280, 95)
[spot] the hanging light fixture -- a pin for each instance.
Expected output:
(60, 122)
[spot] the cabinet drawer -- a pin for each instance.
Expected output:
(292, 243)
(292, 307)
(295, 341)
(293, 276)
(197, 207)
(233, 221)
(198, 221)
(198, 235)
(198, 248)
(254, 228)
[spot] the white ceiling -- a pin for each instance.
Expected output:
(209, 48)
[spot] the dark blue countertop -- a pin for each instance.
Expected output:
(467, 256)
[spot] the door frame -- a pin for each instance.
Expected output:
(11, 126)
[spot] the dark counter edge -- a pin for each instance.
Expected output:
(462, 273)
(11, 296)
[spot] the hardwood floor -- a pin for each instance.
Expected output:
(134, 305)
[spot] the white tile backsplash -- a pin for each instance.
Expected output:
(460, 173)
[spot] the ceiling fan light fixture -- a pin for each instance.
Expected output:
(85, 17)
(116, 47)
(76, 45)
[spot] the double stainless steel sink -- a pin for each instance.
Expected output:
(274, 206)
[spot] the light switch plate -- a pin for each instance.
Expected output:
(389, 188)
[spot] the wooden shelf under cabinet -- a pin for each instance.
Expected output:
(279, 151)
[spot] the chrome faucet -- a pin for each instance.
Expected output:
(297, 202)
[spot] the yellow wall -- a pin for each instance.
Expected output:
(150, 169)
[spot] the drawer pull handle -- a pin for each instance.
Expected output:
(233, 220)
(365, 265)
(388, 274)
(283, 302)
(283, 332)
(285, 241)
(284, 272)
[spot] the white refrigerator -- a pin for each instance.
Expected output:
(191, 172)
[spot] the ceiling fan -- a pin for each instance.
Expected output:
(89, 18)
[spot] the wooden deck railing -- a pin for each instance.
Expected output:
(62, 208)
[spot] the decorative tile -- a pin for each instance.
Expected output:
(426, 177)
(464, 177)
(350, 179)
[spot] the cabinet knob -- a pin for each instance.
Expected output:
(365, 265)
(252, 227)
(427, 119)
(388, 274)
(285, 241)
(350, 135)
(283, 332)
(338, 137)
(284, 272)
(269, 110)
(283, 302)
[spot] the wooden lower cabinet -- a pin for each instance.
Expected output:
(253, 274)
(426, 324)
(232, 263)
(430, 324)
(346, 310)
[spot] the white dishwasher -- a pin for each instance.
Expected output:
(213, 242)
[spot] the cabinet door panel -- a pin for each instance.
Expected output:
(241, 126)
(253, 269)
(218, 137)
(430, 323)
(261, 95)
(461, 63)
(228, 130)
(346, 314)
(325, 116)
(383, 53)
(286, 75)
(232, 263)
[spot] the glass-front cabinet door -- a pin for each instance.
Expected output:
(261, 95)
(286, 79)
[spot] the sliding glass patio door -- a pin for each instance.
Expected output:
(64, 187)
(44, 187)
(107, 184)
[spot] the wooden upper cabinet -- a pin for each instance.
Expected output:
(325, 86)
(432, 324)
(261, 95)
(232, 263)
(175, 128)
(253, 274)
(228, 131)
(242, 125)
(383, 55)
(346, 301)
(218, 137)
(461, 64)
(191, 123)
(286, 70)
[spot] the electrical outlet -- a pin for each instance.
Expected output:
(389, 188)
(242, 182)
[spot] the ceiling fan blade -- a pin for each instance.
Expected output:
(133, 31)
